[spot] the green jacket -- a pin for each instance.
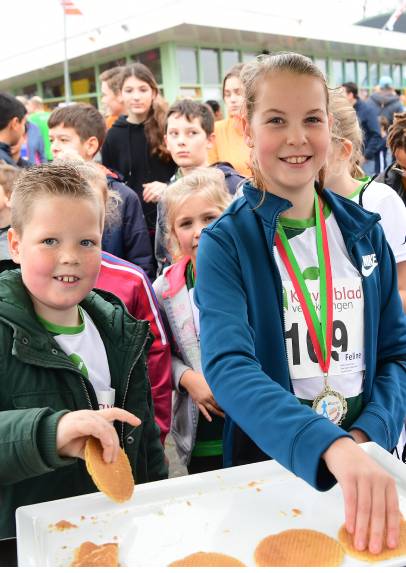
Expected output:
(39, 383)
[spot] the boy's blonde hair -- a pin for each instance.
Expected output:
(208, 182)
(346, 126)
(53, 179)
(8, 175)
(252, 76)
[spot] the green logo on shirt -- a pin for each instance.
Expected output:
(78, 362)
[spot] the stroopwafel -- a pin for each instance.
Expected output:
(207, 559)
(345, 539)
(114, 479)
(298, 548)
(89, 554)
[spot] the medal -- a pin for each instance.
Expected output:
(329, 403)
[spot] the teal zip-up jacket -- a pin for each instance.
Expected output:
(239, 295)
(39, 383)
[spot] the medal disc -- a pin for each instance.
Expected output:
(331, 405)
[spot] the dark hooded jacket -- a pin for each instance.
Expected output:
(126, 151)
(386, 104)
(394, 180)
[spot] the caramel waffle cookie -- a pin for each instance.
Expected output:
(298, 548)
(114, 479)
(207, 559)
(346, 539)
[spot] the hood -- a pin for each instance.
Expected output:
(175, 276)
(383, 99)
(123, 122)
(110, 174)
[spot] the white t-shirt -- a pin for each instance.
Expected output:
(84, 346)
(347, 360)
(382, 199)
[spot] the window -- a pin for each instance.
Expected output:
(228, 58)
(187, 64)
(385, 70)
(54, 88)
(350, 75)
(373, 74)
(337, 72)
(397, 75)
(194, 93)
(151, 59)
(362, 71)
(212, 93)
(83, 82)
(112, 64)
(29, 91)
(248, 56)
(322, 65)
(210, 71)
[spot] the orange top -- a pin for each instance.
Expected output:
(230, 146)
(110, 120)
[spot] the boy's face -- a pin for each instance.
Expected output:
(59, 252)
(187, 141)
(16, 130)
(64, 139)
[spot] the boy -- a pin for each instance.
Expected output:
(12, 125)
(189, 135)
(81, 128)
(68, 355)
(8, 174)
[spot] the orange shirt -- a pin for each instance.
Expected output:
(110, 120)
(230, 146)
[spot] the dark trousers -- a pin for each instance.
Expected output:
(8, 553)
(198, 465)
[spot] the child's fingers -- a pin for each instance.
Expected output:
(204, 412)
(378, 518)
(112, 414)
(364, 506)
(350, 505)
(393, 516)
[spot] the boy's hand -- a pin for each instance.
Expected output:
(200, 392)
(153, 191)
(75, 427)
(370, 496)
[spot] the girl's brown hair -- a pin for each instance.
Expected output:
(206, 181)
(397, 132)
(253, 73)
(346, 126)
(155, 123)
(235, 72)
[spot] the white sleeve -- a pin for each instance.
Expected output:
(382, 199)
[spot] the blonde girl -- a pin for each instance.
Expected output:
(134, 145)
(229, 144)
(197, 425)
(345, 177)
(277, 363)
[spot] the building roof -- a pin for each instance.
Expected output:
(380, 20)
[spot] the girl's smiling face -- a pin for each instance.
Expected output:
(290, 131)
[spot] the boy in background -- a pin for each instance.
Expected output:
(81, 128)
(12, 125)
(189, 135)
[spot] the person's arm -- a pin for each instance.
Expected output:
(36, 441)
(372, 135)
(401, 267)
(145, 307)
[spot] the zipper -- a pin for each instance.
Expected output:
(128, 383)
(86, 393)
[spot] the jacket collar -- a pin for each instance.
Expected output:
(354, 221)
(175, 276)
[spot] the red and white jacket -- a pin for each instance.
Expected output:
(130, 283)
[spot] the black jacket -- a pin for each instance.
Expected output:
(386, 104)
(394, 180)
(126, 151)
(128, 238)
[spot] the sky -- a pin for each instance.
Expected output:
(40, 22)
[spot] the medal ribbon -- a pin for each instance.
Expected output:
(320, 331)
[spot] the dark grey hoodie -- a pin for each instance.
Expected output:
(386, 103)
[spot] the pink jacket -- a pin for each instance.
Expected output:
(130, 283)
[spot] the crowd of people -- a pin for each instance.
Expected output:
(238, 282)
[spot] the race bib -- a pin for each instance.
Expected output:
(347, 356)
